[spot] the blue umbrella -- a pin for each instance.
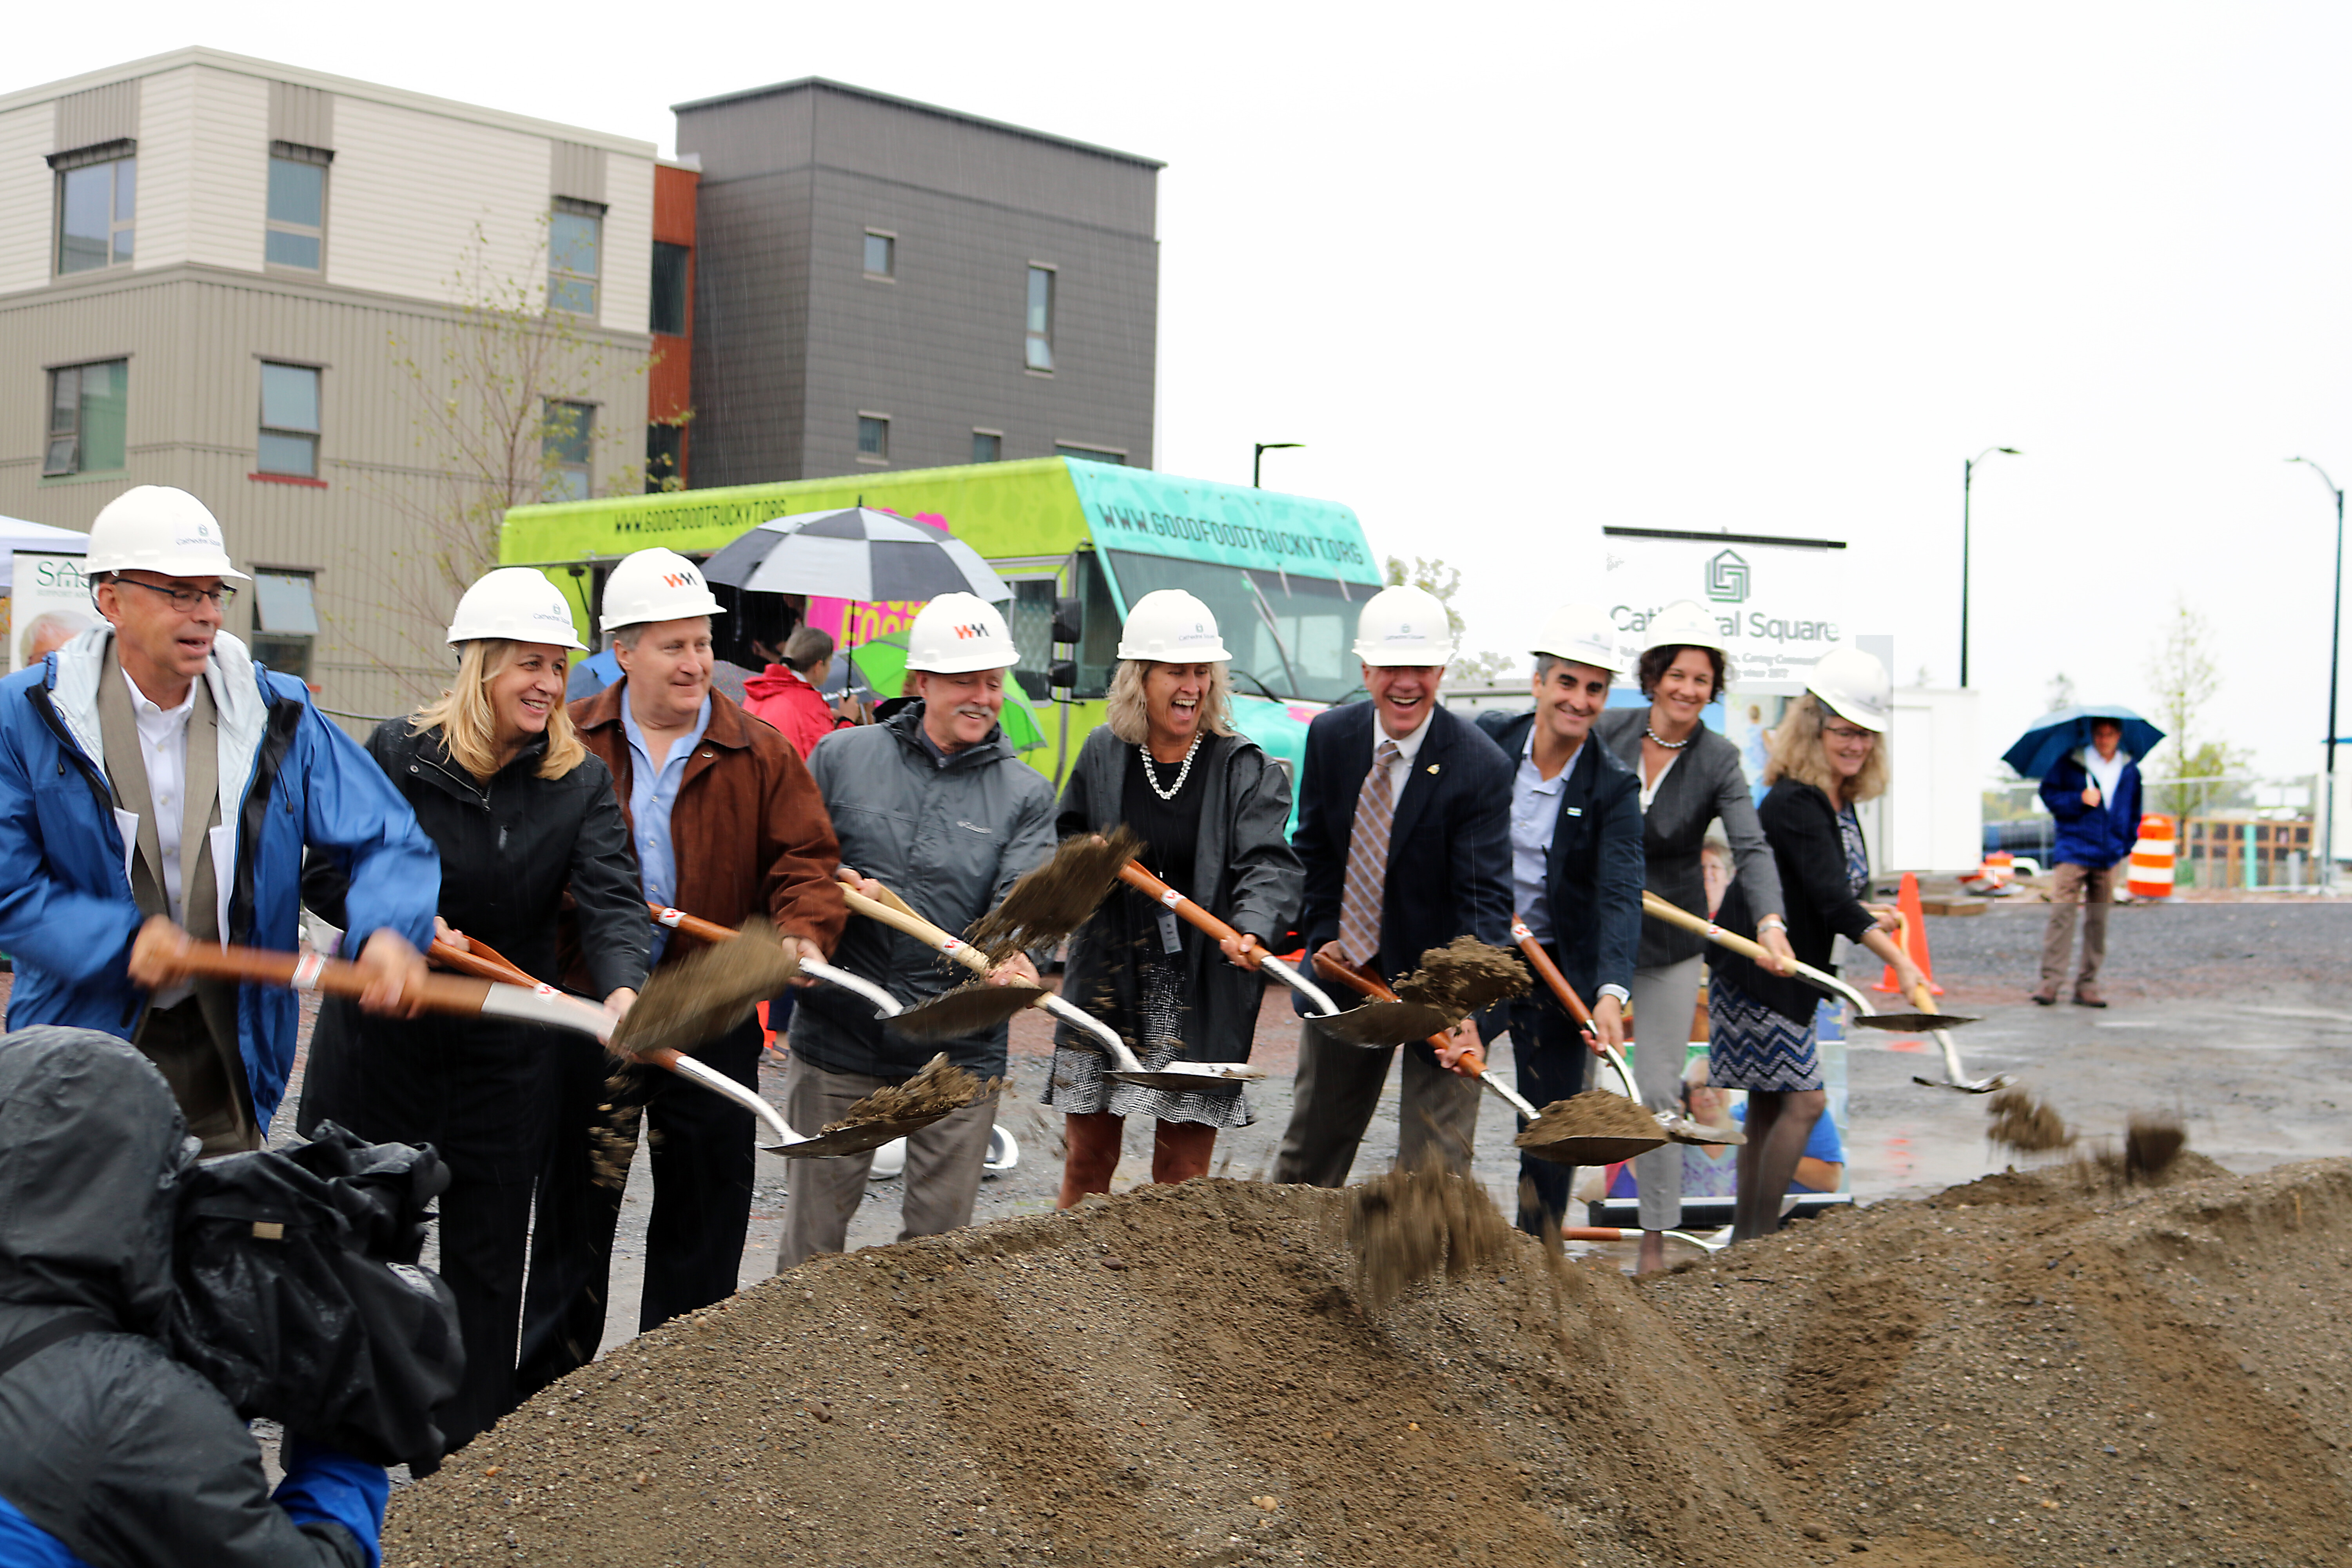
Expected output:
(2054, 736)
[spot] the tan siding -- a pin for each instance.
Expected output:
(167, 170)
(28, 197)
(302, 115)
(628, 284)
(408, 189)
(99, 114)
(231, 208)
(576, 170)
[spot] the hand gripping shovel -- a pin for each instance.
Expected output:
(1176, 1076)
(1678, 1128)
(885, 1004)
(1152, 888)
(1575, 1149)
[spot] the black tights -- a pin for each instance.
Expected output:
(1779, 1124)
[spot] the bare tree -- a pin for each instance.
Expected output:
(2062, 693)
(2186, 680)
(1442, 582)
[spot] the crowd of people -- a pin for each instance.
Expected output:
(159, 790)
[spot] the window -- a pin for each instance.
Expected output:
(297, 206)
(987, 445)
(290, 421)
(95, 204)
(565, 440)
(88, 410)
(1091, 454)
(575, 247)
(873, 438)
(669, 314)
(664, 457)
(1289, 633)
(881, 254)
(285, 619)
(1040, 318)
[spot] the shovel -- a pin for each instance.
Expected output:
(885, 1004)
(1952, 1077)
(1658, 909)
(1573, 1151)
(1150, 886)
(1614, 1233)
(1180, 1076)
(1678, 1128)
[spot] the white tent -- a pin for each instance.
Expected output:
(39, 537)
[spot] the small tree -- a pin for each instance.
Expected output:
(2062, 693)
(1441, 582)
(2185, 679)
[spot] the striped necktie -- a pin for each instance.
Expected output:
(1368, 860)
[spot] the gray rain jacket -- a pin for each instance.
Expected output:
(950, 837)
(107, 1444)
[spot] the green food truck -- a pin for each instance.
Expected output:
(1285, 575)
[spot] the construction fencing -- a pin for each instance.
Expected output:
(2243, 831)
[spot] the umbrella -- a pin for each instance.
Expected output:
(853, 554)
(882, 668)
(2054, 736)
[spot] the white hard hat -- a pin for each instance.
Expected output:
(1685, 623)
(1582, 633)
(518, 603)
(656, 585)
(956, 634)
(1856, 686)
(1171, 627)
(154, 528)
(1406, 625)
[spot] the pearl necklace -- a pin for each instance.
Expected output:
(1152, 778)
(1670, 745)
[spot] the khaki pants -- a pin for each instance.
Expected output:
(1664, 1002)
(208, 1081)
(2095, 892)
(941, 1182)
(1338, 1089)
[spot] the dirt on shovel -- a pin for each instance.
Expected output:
(937, 1091)
(1058, 897)
(705, 994)
(1595, 1113)
(1465, 976)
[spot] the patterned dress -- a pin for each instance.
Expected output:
(1749, 1045)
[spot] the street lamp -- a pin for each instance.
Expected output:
(1967, 481)
(1259, 457)
(2334, 649)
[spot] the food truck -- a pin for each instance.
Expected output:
(1285, 575)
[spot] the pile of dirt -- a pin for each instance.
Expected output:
(2022, 1372)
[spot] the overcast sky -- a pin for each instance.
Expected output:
(1513, 273)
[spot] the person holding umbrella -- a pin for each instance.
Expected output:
(1829, 753)
(523, 815)
(1211, 808)
(2094, 793)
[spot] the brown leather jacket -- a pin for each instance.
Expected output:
(750, 833)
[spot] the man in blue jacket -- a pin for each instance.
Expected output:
(1577, 869)
(1404, 824)
(2094, 796)
(157, 787)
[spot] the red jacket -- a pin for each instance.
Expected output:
(792, 705)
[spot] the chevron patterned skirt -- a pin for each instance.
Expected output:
(1751, 1047)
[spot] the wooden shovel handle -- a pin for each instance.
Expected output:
(896, 914)
(1192, 915)
(312, 971)
(694, 926)
(1548, 972)
(1474, 1056)
(481, 960)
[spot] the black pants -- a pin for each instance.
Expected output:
(483, 1227)
(701, 1153)
(1550, 1053)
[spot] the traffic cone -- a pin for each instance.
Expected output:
(1914, 937)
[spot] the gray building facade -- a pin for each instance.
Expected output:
(885, 284)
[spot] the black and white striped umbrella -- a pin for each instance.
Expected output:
(855, 553)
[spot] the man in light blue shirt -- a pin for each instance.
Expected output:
(653, 790)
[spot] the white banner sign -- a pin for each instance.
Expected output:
(1780, 603)
(46, 585)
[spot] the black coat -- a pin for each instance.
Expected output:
(511, 849)
(1593, 876)
(1449, 871)
(1243, 873)
(1809, 852)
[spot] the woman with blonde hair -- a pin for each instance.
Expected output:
(1212, 810)
(521, 814)
(1828, 755)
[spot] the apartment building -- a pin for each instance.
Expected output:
(259, 282)
(886, 284)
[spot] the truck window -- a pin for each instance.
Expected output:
(1288, 634)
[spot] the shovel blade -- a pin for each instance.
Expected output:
(856, 1140)
(1682, 1130)
(1593, 1151)
(963, 1010)
(1379, 1023)
(1912, 1023)
(1975, 1086)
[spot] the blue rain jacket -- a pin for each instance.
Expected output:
(2092, 835)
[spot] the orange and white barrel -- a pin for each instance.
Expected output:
(2151, 860)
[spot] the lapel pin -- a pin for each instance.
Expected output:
(1432, 767)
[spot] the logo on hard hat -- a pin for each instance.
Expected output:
(1727, 578)
(680, 580)
(970, 629)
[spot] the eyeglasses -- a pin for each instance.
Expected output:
(186, 600)
(1848, 733)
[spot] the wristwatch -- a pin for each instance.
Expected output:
(1771, 922)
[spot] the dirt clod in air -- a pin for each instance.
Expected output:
(937, 1091)
(1465, 976)
(1595, 1113)
(1407, 1226)
(2023, 1123)
(1058, 897)
(705, 994)
(2152, 1145)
